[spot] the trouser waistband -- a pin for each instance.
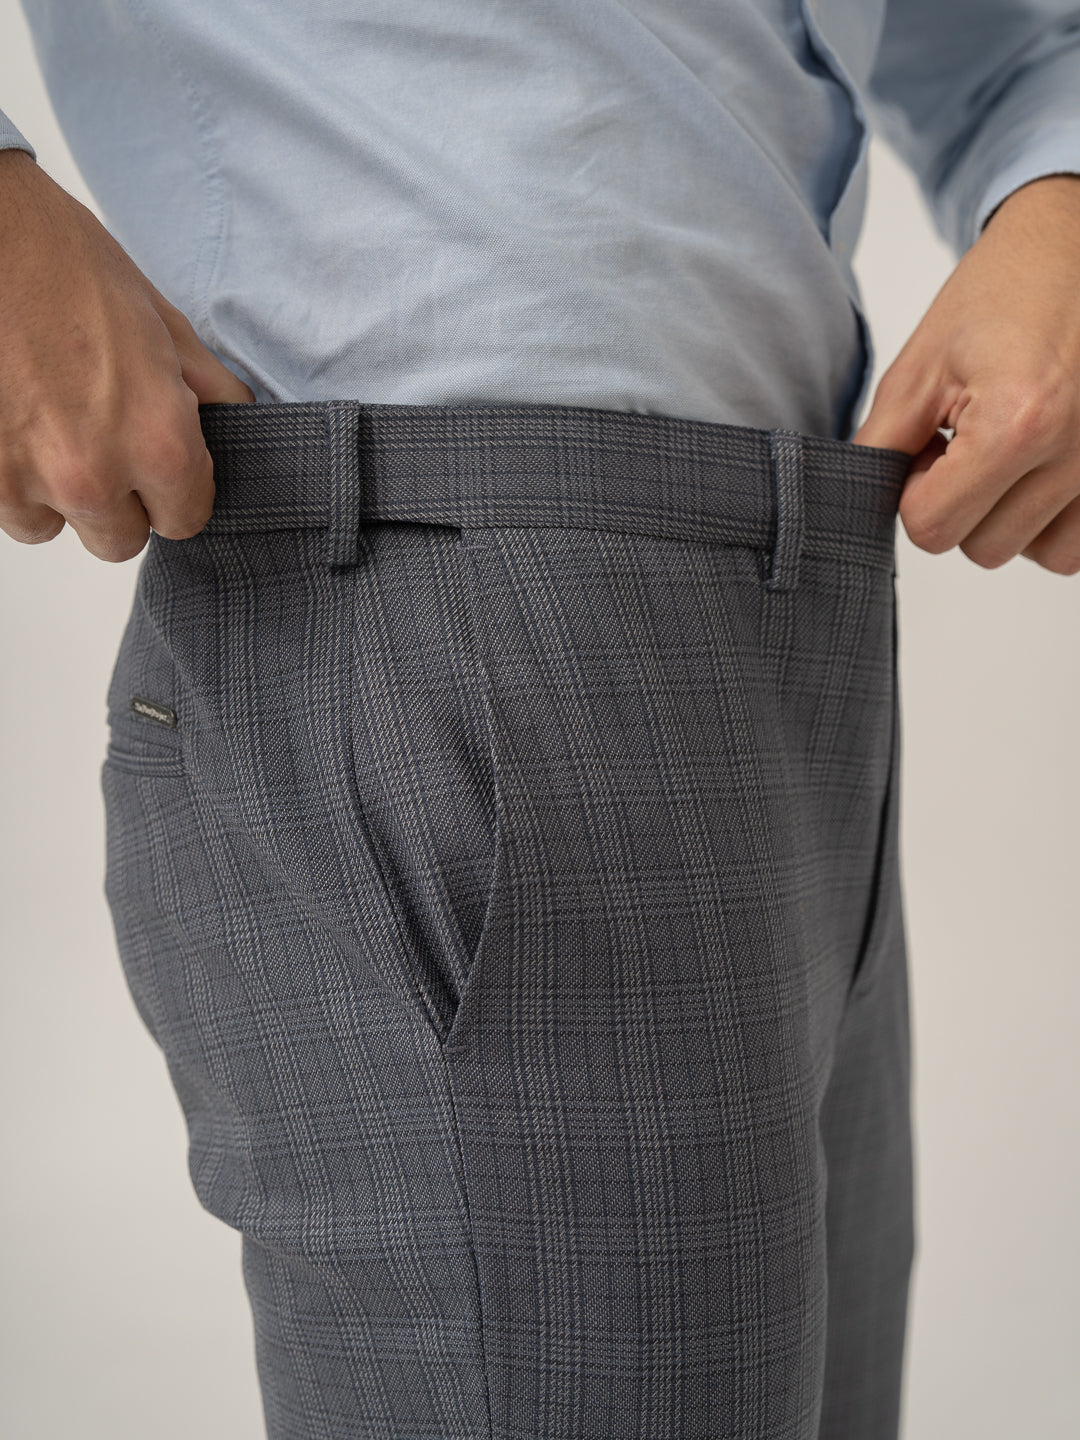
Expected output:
(339, 464)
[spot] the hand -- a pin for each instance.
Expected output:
(996, 359)
(101, 379)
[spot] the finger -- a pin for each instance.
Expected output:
(31, 524)
(115, 533)
(1022, 513)
(177, 511)
(177, 492)
(942, 505)
(202, 371)
(1057, 546)
(905, 414)
(927, 456)
(213, 382)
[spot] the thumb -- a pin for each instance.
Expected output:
(926, 457)
(202, 372)
(213, 382)
(901, 417)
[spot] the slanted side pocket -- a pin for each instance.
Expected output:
(422, 749)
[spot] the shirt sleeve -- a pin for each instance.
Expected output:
(13, 139)
(978, 97)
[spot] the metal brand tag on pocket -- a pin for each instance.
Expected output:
(152, 711)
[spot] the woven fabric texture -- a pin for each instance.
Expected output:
(516, 903)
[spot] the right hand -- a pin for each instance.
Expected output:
(101, 379)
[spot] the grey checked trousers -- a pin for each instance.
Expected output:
(502, 818)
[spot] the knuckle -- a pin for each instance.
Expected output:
(1063, 564)
(41, 534)
(31, 533)
(185, 529)
(78, 491)
(926, 534)
(989, 557)
(1037, 412)
(118, 549)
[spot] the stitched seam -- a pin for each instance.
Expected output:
(213, 229)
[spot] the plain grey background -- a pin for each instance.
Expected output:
(122, 1308)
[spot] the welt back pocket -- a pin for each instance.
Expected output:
(140, 742)
(145, 709)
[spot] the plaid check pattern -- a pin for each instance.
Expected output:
(516, 903)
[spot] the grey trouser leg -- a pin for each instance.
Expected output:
(516, 902)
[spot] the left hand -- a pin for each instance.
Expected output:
(996, 359)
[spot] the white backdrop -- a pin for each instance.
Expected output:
(122, 1312)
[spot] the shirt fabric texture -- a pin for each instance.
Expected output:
(640, 206)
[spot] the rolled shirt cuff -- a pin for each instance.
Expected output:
(11, 138)
(1051, 150)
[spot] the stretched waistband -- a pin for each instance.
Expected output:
(339, 464)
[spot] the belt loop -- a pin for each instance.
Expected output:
(786, 451)
(343, 481)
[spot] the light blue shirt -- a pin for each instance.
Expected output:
(644, 206)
